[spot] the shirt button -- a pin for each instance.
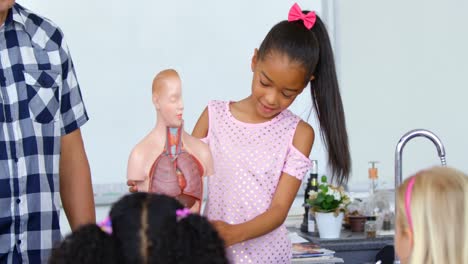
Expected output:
(19, 241)
(15, 159)
(18, 200)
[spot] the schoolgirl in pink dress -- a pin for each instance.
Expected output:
(260, 149)
(249, 161)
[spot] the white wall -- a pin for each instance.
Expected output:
(403, 65)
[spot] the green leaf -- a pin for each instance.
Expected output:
(325, 189)
(319, 200)
(335, 204)
(325, 202)
(324, 178)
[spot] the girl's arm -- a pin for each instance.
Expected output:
(201, 127)
(282, 200)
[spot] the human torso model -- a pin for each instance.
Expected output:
(169, 160)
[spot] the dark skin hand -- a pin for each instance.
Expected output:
(132, 186)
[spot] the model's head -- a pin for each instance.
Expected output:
(432, 217)
(167, 97)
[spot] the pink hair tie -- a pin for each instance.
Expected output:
(409, 190)
(182, 213)
(295, 13)
(106, 225)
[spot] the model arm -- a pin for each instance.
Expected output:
(135, 170)
(76, 190)
(282, 200)
(201, 131)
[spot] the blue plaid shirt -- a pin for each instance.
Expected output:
(40, 102)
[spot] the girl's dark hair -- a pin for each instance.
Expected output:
(145, 229)
(87, 245)
(312, 49)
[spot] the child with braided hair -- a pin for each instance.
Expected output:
(144, 228)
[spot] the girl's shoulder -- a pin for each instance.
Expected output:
(217, 104)
(290, 116)
(304, 130)
(301, 128)
(218, 108)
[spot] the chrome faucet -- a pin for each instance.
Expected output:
(398, 157)
(401, 144)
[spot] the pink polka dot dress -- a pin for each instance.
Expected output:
(248, 162)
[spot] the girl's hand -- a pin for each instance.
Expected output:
(132, 186)
(229, 233)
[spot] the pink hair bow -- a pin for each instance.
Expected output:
(182, 213)
(106, 225)
(409, 190)
(295, 13)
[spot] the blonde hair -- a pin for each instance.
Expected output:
(439, 212)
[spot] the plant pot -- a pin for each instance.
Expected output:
(329, 225)
(356, 223)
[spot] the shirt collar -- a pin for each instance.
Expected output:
(16, 14)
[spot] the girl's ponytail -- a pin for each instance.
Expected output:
(198, 241)
(329, 107)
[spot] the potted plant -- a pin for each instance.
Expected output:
(329, 204)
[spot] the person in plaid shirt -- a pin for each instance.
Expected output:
(41, 148)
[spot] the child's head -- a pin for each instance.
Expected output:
(167, 97)
(298, 43)
(432, 217)
(290, 57)
(146, 228)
